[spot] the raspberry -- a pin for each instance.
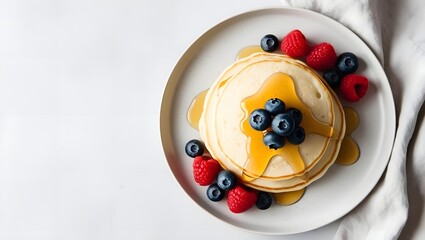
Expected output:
(240, 199)
(321, 57)
(295, 45)
(353, 87)
(205, 170)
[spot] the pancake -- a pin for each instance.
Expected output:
(246, 85)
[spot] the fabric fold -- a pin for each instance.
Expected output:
(360, 16)
(383, 214)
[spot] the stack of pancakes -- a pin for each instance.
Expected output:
(223, 115)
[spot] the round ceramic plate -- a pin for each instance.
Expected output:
(342, 187)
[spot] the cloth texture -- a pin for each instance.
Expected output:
(394, 30)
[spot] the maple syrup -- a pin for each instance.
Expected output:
(246, 51)
(278, 85)
(195, 109)
(350, 151)
(288, 198)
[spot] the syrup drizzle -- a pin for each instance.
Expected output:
(350, 151)
(288, 198)
(195, 109)
(246, 51)
(278, 85)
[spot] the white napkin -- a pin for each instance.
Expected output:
(394, 30)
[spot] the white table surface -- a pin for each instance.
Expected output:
(80, 91)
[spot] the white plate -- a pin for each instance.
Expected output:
(342, 187)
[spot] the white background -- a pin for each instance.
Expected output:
(81, 84)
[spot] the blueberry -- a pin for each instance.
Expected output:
(215, 193)
(264, 200)
(283, 124)
(296, 115)
(194, 148)
(273, 140)
(275, 106)
(269, 43)
(333, 78)
(226, 180)
(260, 119)
(297, 136)
(347, 63)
